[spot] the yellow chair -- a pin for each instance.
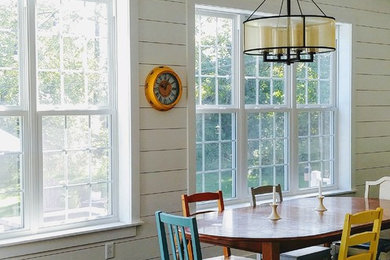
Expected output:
(372, 237)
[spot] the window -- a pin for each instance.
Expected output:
(260, 123)
(58, 116)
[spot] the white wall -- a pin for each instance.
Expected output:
(163, 135)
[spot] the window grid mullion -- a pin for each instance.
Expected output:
(203, 154)
(61, 69)
(66, 170)
(219, 153)
(274, 148)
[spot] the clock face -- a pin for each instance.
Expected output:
(163, 88)
(166, 88)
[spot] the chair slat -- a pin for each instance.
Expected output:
(364, 217)
(172, 239)
(361, 238)
(184, 242)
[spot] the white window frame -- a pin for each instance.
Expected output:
(126, 206)
(342, 168)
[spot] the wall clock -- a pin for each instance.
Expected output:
(163, 88)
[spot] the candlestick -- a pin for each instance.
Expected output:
(321, 207)
(274, 213)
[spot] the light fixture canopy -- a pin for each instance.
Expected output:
(289, 38)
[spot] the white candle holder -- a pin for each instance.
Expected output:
(274, 214)
(321, 207)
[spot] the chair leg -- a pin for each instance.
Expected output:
(226, 252)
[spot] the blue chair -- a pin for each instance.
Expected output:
(177, 226)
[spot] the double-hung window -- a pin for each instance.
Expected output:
(260, 123)
(57, 115)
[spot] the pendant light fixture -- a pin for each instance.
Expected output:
(289, 38)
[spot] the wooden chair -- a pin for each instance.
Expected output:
(384, 187)
(372, 237)
(264, 190)
(202, 197)
(177, 226)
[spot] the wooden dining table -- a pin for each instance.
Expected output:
(300, 226)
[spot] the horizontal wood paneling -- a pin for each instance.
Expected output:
(373, 98)
(162, 54)
(374, 144)
(161, 10)
(163, 139)
(373, 51)
(162, 32)
(371, 34)
(158, 161)
(165, 181)
(153, 119)
(380, 6)
(372, 160)
(371, 174)
(167, 202)
(373, 129)
(140, 249)
(372, 82)
(372, 66)
(372, 114)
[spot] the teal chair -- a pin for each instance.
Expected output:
(177, 226)
(177, 239)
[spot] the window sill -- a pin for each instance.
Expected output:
(39, 243)
(329, 193)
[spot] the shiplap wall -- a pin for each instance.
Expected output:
(163, 135)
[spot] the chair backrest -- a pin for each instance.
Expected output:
(384, 187)
(369, 216)
(264, 190)
(201, 197)
(177, 226)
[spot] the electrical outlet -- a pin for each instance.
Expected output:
(109, 250)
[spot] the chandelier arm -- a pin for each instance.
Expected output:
(299, 5)
(256, 10)
(318, 7)
(281, 7)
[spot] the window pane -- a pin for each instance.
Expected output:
(227, 183)
(268, 78)
(72, 48)
(315, 148)
(214, 36)
(11, 173)
(9, 49)
(267, 149)
(216, 154)
(313, 81)
(76, 162)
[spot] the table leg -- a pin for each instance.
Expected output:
(270, 251)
